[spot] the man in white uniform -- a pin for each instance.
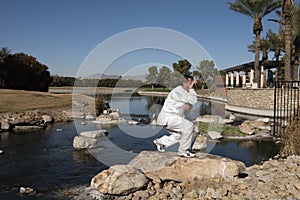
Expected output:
(172, 117)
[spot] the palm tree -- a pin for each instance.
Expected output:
(287, 14)
(255, 9)
(276, 42)
(265, 46)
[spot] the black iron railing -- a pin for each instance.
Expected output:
(286, 105)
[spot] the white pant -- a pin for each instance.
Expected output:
(184, 135)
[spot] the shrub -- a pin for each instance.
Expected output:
(100, 104)
(292, 138)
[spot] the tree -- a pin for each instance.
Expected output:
(255, 9)
(152, 76)
(164, 76)
(183, 67)
(207, 72)
(264, 47)
(4, 53)
(21, 71)
(276, 42)
(287, 14)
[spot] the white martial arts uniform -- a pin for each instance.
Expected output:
(172, 116)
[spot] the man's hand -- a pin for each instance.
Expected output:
(187, 106)
(193, 83)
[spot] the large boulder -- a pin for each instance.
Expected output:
(169, 166)
(119, 180)
(81, 143)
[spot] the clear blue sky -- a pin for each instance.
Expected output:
(62, 33)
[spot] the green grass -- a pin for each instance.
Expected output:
(224, 129)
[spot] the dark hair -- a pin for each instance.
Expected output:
(188, 76)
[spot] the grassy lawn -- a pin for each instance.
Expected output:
(20, 100)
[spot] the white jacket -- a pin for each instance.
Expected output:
(174, 104)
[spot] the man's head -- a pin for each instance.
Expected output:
(187, 82)
(189, 78)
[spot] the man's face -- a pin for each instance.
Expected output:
(186, 85)
(190, 80)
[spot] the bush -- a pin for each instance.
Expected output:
(100, 104)
(292, 139)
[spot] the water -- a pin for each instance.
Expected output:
(46, 161)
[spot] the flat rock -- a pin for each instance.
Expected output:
(169, 166)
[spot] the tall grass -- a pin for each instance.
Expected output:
(292, 137)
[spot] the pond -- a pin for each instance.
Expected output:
(46, 160)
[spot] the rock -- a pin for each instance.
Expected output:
(168, 166)
(227, 121)
(196, 129)
(47, 118)
(77, 115)
(210, 119)
(26, 190)
(232, 117)
(81, 142)
(115, 115)
(89, 117)
(4, 125)
(214, 135)
(153, 123)
(94, 134)
(265, 128)
(131, 122)
(246, 128)
(119, 180)
(200, 143)
(265, 120)
(26, 128)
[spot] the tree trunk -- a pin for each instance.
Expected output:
(287, 63)
(257, 52)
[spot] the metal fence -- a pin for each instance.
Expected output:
(286, 106)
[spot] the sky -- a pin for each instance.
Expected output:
(70, 36)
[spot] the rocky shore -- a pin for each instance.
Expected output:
(194, 178)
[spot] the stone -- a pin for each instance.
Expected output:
(214, 135)
(227, 121)
(200, 143)
(119, 180)
(265, 120)
(94, 134)
(210, 119)
(168, 166)
(132, 122)
(47, 118)
(4, 125)
(81, 142)
(232, 117)
(246, 128)
(115, 115)
(89, 117)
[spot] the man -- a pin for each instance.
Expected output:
(172, 117)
